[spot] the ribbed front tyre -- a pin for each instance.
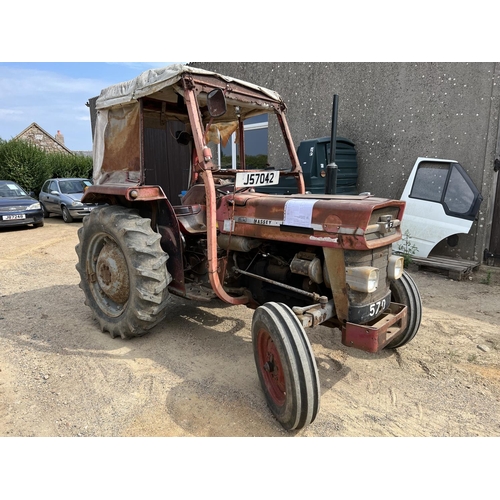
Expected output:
(123, 271)
(286, 366)
(405, 291)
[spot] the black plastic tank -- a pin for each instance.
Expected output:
(314, 156)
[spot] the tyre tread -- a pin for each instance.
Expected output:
(405, 291)
(305, 384)
(149, 296)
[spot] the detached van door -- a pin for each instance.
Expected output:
(441, 201)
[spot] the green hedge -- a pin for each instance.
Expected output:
(30, 167)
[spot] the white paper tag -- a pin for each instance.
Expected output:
(228, 225)
(298, 213)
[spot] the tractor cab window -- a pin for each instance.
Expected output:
(256, 145)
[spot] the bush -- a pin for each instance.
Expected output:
(24, 164)
(30, 166)
(69, 166)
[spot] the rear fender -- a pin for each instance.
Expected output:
(152, 200)
(171, 242)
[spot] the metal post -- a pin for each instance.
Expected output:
(332, 168)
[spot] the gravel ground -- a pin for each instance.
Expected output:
(194, 374)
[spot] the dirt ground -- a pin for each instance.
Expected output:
(194, 374)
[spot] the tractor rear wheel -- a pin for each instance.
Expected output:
(123, 271)
(405, 291)
(286, 366)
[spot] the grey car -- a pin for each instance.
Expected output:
(62, 197)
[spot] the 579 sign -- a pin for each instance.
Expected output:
(377, 307)
(253, 179)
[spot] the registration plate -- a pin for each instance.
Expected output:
(254, 179)
(13, 217)
(368, 312)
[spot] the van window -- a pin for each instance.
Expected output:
(430, 181)
(459, 195)
(449, 185)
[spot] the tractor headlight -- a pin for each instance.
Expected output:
(362, 279)
(396, 267)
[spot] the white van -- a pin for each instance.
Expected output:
(441, 202)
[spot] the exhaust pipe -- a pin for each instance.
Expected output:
(332, 168)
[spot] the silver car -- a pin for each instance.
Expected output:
(62, 197)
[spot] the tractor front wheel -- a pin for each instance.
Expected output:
(286, 366)
(405, 291)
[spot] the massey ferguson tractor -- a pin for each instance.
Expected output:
(171, 220)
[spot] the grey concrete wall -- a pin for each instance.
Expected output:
(394, 113)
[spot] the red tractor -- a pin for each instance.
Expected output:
(300, 260)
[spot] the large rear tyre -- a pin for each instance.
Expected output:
(405, 291)
(286, 366)
(123, 271)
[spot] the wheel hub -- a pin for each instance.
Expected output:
(271, 368)
(112, 274)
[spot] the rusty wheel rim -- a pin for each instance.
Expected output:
(271, 368)
(109, 275)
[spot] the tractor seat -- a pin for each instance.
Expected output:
(192, 218)
(181, 210)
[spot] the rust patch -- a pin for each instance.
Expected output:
(112, 273)
(335, 265)
(375, 336)
(332, 223)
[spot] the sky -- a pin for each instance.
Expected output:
(53, 94)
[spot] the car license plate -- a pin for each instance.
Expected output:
(13, 217)
(253, 179)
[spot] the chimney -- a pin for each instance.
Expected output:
(60, 137)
